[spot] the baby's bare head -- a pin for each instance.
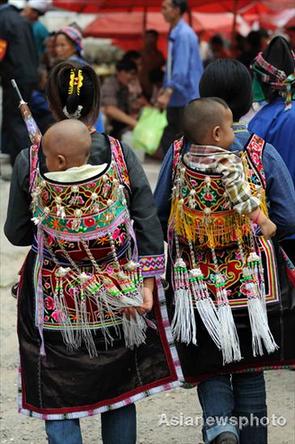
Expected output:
(66, 144)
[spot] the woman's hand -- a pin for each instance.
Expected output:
(147, 305)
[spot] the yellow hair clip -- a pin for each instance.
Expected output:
(75, 81)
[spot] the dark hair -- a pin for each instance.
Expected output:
(126, 65)
(254, 38)
(200, 115)
(60, 99)
(181, 5)
(131, 55)
(217, 40)
(231, 81)
(152, 32)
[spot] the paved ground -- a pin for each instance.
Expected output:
(167, 418)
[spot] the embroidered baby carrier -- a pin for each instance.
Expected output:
(218, 264)
(87, 266)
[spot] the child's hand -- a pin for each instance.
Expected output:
(268, 228)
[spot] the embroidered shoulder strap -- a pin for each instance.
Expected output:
(34, 160)
(177, 147)
(254, 150)
(118, 154)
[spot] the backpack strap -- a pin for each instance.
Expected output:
(34, 164)
(177, 149)
(118, 154)
(254, 149)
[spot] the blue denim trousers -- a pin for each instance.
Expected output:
(234, 404)
(117, 427)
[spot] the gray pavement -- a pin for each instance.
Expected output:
(167, 418)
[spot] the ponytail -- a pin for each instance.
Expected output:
(73, 92)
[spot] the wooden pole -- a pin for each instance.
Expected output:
(144, 20)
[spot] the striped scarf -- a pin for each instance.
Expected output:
(275, 78)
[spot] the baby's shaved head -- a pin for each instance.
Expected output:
(69, 138)
(201, 116)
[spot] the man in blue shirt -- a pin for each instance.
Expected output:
(183, 69)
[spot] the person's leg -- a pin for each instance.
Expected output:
(250, 407)
(217, 401)
(174, 128)
(65, 431)
(119, 426)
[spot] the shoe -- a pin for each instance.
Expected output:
(14, 290)
(226, 438)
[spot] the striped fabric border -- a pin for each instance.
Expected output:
(152, 265)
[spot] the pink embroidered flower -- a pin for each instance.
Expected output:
(58, 316)
(118, 235)
(110, 269)
(58, 189)
(89, 222)
(208, 196)
(49, 303)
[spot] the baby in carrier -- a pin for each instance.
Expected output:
(83, 223)
(208, 126)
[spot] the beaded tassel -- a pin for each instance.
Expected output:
(230, 344)
(128, 288)
(183, 323)
(202, 300)
(261, 333)
(133, 271)
(85, 330)
(64, 318)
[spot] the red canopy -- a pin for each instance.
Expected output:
(94, 6)
(127, 26)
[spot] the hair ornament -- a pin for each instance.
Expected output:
(76, 81)
(75, 115)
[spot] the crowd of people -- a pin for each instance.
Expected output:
(97, 331)
(142, 78)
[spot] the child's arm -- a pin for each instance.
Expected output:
(268, 228)
(235, 183)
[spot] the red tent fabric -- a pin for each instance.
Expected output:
(125, 26)
(95, 6)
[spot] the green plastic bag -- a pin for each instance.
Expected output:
(149, 129)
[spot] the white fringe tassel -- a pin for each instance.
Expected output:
(205, 305)
(261, 333)
(183, 323)
(230, 344)
(134, 329)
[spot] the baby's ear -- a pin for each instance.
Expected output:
(61, 162)
(216, 133)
